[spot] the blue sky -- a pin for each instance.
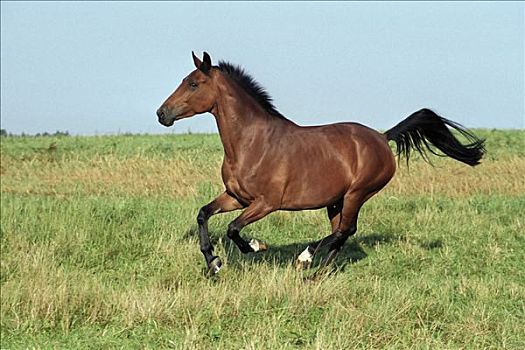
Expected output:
(105, 67)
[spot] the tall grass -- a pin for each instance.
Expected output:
(99, 250)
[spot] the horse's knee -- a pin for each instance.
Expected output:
(233, 230)
(203, 215)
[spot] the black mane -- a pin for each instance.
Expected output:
(252, 87)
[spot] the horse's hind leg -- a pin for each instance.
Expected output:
(348, 226)
(344, 225)
(304, 260)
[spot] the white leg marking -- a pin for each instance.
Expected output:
(305, 256)
(255, 245)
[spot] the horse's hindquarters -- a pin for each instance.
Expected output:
(327, 162)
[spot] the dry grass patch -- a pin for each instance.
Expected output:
(107, 175)
(180, 177)
(456, 180)
(99, 250)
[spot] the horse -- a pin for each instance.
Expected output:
(270, 163)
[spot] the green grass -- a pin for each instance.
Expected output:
(99, 250)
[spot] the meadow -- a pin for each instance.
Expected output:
(99, 250)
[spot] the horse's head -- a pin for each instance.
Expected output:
(195, 95)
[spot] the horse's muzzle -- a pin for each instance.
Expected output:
(164, 118)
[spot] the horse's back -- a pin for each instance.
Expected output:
(325, 162)
(365, 150)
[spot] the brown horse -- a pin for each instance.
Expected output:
(271, 163)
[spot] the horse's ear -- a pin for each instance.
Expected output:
(206, 58)
(196, 61)
(206, 63)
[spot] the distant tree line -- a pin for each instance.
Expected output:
(3, 132)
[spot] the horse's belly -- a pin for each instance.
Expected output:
(315, 189)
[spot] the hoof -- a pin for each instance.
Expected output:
(258, 246)
(304, 260)
(301, 265)
(214, 266)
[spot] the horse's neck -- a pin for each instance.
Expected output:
(240, 121)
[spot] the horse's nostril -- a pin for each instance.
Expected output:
(160, 113)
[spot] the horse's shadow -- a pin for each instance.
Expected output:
(284, 255)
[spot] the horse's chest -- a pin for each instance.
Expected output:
(235, 183)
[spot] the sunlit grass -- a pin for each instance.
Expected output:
(99, 250)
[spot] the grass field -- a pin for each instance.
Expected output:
(99, 250)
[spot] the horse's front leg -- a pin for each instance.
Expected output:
(255, 211)
(222, 204)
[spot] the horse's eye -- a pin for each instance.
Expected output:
(193, 85)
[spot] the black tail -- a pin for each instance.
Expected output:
(425, 126)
